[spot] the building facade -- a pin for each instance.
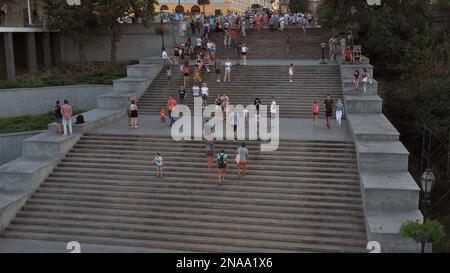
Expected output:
(215, 6)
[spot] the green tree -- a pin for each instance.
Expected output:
(203, 3)
(428, 232)
(108, 11)
(75, 22)
(298, 5)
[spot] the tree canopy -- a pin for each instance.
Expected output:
(298, 5)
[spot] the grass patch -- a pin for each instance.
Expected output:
(68, 74)
(28, 123)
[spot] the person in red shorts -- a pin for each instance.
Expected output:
(242, 160)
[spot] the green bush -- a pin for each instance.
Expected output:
(68, 75)
(428, 232)
(28, 122)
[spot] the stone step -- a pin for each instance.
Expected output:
(215, 216)
(206, 210)
(284, 142)
(367, 127)
(210, 188)
(232, 180)
(175, 171)
(264, 211)
(300, 156)
(185, 242)
(363, 104)
(251, 145)
(144, 199)
(256, 166)
(134, 223)
(382, 156)
(143, 161)
(256, 186)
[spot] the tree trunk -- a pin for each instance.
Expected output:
(81, 55)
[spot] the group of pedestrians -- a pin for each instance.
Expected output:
(64, 115)
(201, 24)
(330, 107)
(364, 77)
(216, 159)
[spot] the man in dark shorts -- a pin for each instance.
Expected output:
(328, 110)
(218, 68)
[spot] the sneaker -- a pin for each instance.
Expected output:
(218, 81)
(136, 127)
(291, 81)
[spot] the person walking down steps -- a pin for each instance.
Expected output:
(339, 112)
(291, 72)
(159, 162)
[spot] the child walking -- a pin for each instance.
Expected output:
(159, 162)
(315, 112)
(162, 115)
(291, 72)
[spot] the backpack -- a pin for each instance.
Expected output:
(221, 160)
(80, 119)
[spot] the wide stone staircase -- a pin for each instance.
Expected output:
(248, 82)
(305, 197)
(271, 44)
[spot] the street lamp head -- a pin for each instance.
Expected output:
(427, 180)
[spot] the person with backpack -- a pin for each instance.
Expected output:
(159, 162)
(222, 158)
(58, 115)
(242, 160)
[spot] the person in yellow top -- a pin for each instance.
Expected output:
(197, 75)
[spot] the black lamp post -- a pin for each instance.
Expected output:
(427, 180)
(162, 32)
(323, 46)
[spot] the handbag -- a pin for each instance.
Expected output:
(238, 158)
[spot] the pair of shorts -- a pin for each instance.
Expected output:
(59, 120)
(222, 166)
(204, 97)
(186, 74)
(159, 167)
(315, 114)
(242, 165)
(134, 114)
(328, 113)
(218, 71)
(244, 53)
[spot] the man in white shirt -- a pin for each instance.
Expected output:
(233, 122)
(165, 56)
(273, 108)
(205, 93)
